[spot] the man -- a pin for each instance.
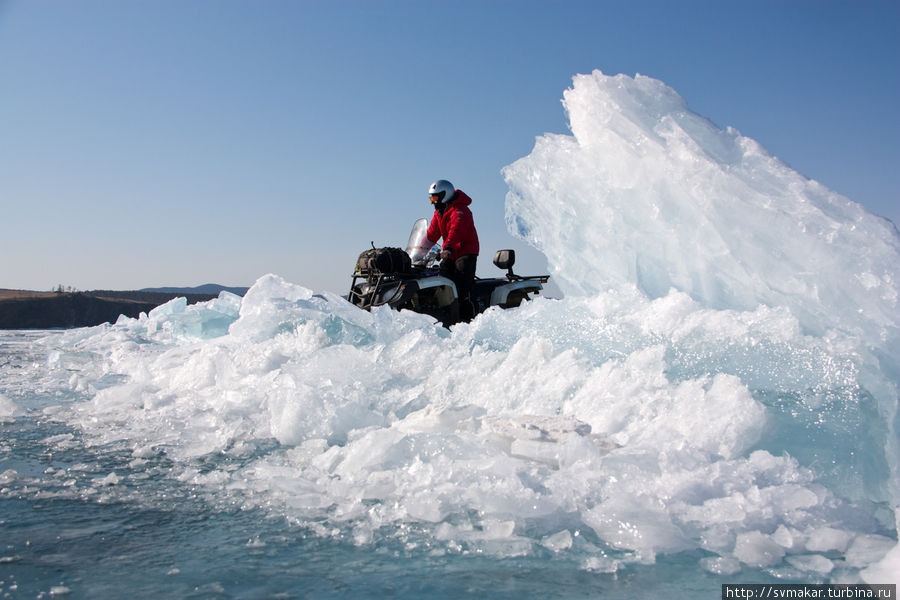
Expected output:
(453, 222)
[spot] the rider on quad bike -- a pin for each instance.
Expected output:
(453, 222)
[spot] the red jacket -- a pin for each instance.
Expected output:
(456, 226)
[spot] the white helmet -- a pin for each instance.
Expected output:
(444, 191)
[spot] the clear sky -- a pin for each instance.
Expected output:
(179, 142)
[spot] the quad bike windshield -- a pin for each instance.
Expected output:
(418, 247)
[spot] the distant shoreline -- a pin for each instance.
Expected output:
(24, 309)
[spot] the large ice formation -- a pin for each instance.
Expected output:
(721, 378)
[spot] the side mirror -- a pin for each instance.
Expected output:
(505, 259)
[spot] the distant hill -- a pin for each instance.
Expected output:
(41, 310)
(207, 288)
(23, 309)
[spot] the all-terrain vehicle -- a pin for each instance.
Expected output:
(410, 279)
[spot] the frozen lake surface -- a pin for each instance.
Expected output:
(714, 401)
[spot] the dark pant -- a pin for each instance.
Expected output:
(462, 273)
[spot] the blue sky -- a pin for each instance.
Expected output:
(179, 142)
